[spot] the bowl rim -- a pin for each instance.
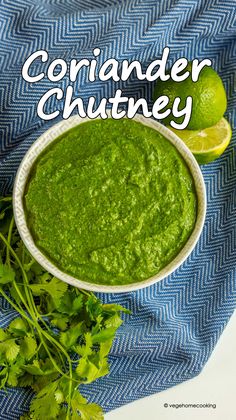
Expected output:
(18, 208)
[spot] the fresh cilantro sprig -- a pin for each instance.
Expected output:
(61, 338)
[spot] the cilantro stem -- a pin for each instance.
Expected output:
(84, 292)
(17, 308)
(40, 333)
(9, 241)
(6, 199)
(35, 314)
(8, 262)
(49, 353)
(57, 344)
(2, 213)
(8, 247)
(31, 308)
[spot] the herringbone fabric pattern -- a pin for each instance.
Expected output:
(176, 323)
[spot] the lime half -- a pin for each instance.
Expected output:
(208, 144)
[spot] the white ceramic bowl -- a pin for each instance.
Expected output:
(19, 187)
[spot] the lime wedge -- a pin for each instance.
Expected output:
(208, 144)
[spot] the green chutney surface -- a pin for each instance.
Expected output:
(111, 202)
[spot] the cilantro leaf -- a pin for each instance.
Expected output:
(44, 405)
(10, 349)
(85, 350)
(90, 368)
(28, 347)
(39, 369)
(105, 348)
(114, 307)
(70, 337)
(71, 304)
(13, 374)
(3, 335)
(59, 321)
(59, 396)
(4, 376)
(86, 370)
(87, 411)
(114, 321)
(104, 335)
(55, 288)
(90, 411)
(25, 380)
(18, 327)
(7, 274)
(34, 368)
(93, 307)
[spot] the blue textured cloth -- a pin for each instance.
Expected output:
(176, 323)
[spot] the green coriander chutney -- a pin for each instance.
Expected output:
(111, 202)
